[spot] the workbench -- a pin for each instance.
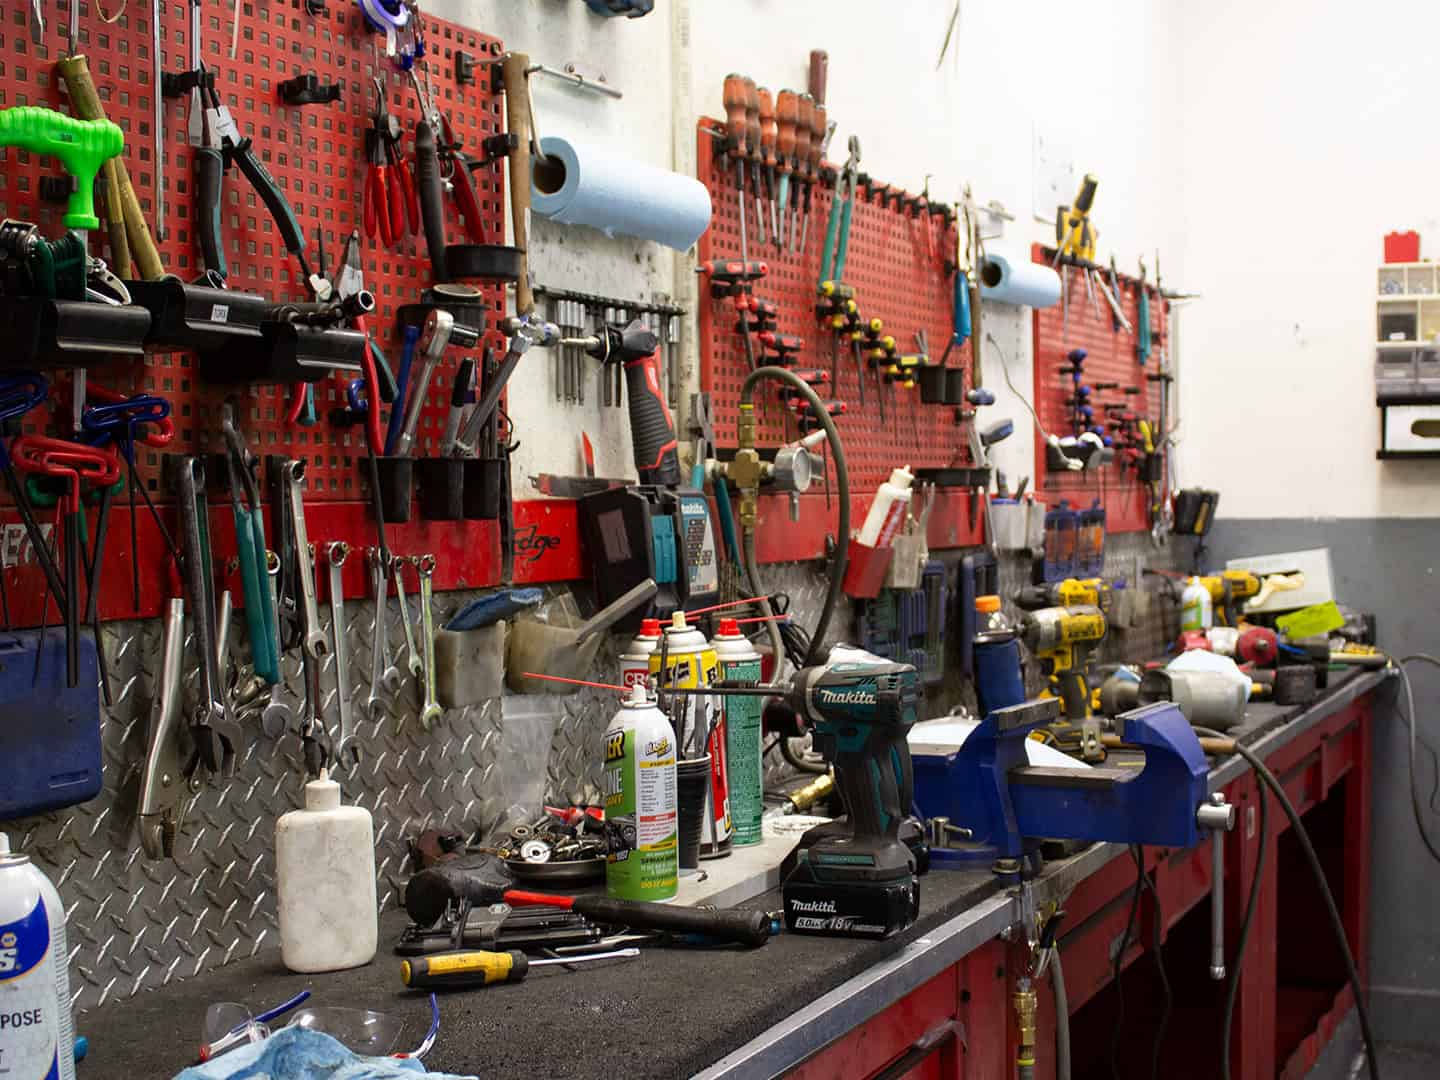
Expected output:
(826, 1007)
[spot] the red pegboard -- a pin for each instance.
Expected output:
(316, 154)
(1111, 357)
(898, 277)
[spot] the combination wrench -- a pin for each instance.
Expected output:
(275, 718)
(412, 660)
(313, 637)
(430, 711)
(347, 751)
(315, 742)
(383, 671)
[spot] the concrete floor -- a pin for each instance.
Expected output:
(1401, 1062)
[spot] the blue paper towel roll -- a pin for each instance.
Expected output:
(1013, 281)
(583, 183)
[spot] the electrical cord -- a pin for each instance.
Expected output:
(1322, 885)
(1062, 1016)
(1073, 464)
(842, 486)
(1119, 960)
(1410, 724)
(1166, 997)
(1232, 991)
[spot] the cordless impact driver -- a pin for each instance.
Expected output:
(1061, 638)
(855, 878)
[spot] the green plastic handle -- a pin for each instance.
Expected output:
(259, 608)
(81, 145)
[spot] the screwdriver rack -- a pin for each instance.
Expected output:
(901, 276)
(316, 154)
(1111, 357)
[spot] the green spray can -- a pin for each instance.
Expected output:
(738, 662)
(643, 858)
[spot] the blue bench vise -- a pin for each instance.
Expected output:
(989, 793)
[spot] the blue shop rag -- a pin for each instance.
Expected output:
(294, 1053)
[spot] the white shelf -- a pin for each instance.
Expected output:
(1403, 298)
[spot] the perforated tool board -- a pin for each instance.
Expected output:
(1111, 357)
(898, 278)
(316, 153)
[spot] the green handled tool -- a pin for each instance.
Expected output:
(837, 228)
(250, 546)
(82, 146)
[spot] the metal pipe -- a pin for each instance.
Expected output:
(574, 78)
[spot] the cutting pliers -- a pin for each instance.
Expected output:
(388, 189)
(250, 545)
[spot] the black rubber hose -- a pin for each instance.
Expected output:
(842, 485)
(1117, 1031)
(1232, 991)
(1337, 927)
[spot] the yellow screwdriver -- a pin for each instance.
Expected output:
(480, 967)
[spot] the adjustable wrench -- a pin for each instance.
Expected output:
(313, 638)
(162, 787)
(412, 660)
(276, 716)
(338, 551)
(430, 711)
(216, 734)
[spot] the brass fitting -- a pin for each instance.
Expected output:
(804, 798)
(747, 469)
(1026, 1006)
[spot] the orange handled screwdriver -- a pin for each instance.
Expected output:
(819, 125)
(805, 118)
(769, 133)
(736, 133)
(787, 114)
(752, 140)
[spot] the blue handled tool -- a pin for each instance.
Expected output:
(494, 607)
(402, 389)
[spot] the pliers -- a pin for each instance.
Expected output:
(250, 545)
(379, 383)
(388, 187)
(454, 164)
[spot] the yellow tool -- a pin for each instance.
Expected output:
(1072, 592)
(1226, 588)
(1062, 638)
(1075, 234)
(479, 967)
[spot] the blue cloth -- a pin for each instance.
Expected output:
(294, 1053)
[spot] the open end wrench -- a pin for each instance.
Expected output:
(430, 711)
(412, 659)
(347, 751)
(313, 638)
(275, 718)
(383, 672)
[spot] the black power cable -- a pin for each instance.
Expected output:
(1119, 960)
(1232, 991)
(1155, 946)
(1308, 849)
(1410, 723)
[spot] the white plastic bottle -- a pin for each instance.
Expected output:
(36, 1036)
(1196, 612)
(887, 511)
(325, 882)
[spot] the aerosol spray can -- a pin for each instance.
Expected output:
(635, 659)
(36, 1037)
(691, 663)
(739, 662)
(640, 803)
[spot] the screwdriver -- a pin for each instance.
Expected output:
(752, 140)
(819, 124)
(787, 115)
(804, 117)
(480, 967)
(736, 132)
(769, 134)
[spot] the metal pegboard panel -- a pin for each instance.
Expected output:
(316, 154)
(897, 262)
(1084, 321)
(136, 924)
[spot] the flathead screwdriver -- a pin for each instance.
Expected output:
(768, 136)
(752, 141)
(736, 133)
(480, 967)
(787, 114)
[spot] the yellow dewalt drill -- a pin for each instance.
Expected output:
(1062, 638)
(1228, 588)
(1070, 593)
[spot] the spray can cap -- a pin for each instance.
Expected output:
(902, 477)
(677, 621)
(650, 628)
(987, 605)
(639, 695)
(728, 628)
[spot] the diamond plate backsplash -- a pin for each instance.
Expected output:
(136, 924)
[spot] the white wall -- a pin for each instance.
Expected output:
(1102, 85)
(1305, 140)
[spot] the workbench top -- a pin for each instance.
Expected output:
(669, 1013)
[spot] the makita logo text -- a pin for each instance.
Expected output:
(846, 697)
(822, 907)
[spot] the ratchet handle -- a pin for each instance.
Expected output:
(209, 176)
(651, 429)
(432, 197)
